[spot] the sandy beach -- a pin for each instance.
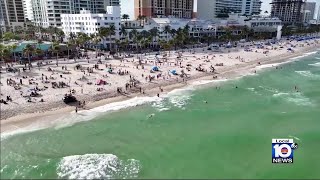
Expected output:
(91, 80)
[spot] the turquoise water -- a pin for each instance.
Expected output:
(180, 136)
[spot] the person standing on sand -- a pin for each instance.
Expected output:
(76, 109)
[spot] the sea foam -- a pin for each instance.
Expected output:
(87, 115)
(315, 64)
(308, 74)
(83, 115)
(97, 166)
(304, 55)
(296, 98)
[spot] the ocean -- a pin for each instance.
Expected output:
(206, 130)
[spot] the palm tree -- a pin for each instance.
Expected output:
(286, 31)
(103, 33)
(125, 17)
(144, 34)
(82, 39)
(56, 49)
(56, 31)
(31, 30)
(139, 18)
(124, 44)
(167, 30)
(28, 50)
(227, 36)
(13, 47)
(173, 32)
(70, 44)
(1, 51)
(245, 32)
(96, 40)
(154, 33)
(207, 39)
(61, 35)
(112, 31)
(142, 19)
(72, 36)
(117, 42)
(123, 32)
(5, 53)
(168, 45)
(39, 53)
(180, 37)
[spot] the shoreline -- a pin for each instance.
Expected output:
(25, 120)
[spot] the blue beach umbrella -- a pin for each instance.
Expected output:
(174, 72)
(155, 68)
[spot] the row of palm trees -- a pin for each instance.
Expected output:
(140, 40)
(7, 52)
(134, 40)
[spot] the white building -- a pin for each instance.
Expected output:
(27, 9)
(200, 27)
(209, 9)
(39, 11)
(89, 23)
(47, 12)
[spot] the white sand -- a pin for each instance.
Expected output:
(20, 110)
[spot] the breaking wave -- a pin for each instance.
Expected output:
(315, 64)
(308, 74)
(296, 98)
(97, 166)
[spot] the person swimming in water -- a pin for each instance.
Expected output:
(150, 116)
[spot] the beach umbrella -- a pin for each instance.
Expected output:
(174, 72)
(155, 68)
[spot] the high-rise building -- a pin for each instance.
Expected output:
(154, 8)
(310, 7)
(307, 16)
(209, 9)
(112, 3)
(318, 18)
(48, 12)
(12, 14)
(289, 11)
(27, 9)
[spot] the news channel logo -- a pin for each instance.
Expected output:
(282, 150)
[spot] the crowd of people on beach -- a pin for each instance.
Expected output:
(127, 74)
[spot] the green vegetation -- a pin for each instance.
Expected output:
(133, 40)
